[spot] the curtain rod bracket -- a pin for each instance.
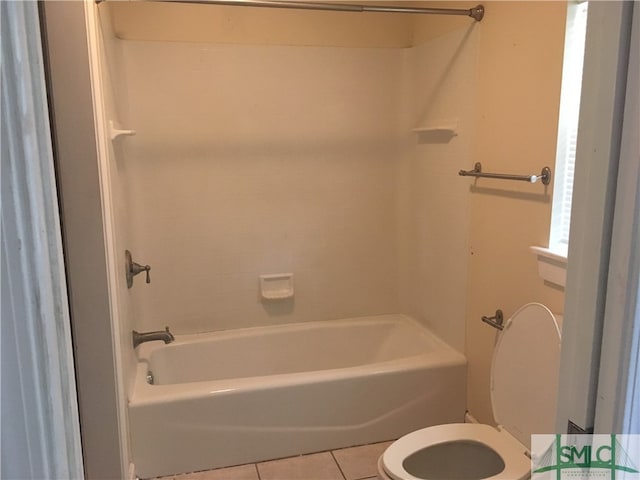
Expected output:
(477, 12)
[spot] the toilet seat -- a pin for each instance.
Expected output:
(517, 464)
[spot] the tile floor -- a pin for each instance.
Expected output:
(355, 463)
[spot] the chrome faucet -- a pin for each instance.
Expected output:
(165, 335)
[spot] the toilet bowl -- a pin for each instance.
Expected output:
(524, 377)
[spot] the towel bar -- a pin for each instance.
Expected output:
(545, 175)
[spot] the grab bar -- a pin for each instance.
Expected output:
(545, 175)
(496, 321)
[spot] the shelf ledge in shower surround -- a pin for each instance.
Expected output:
(552, 266)
(450, 129)
(277, 286)
(115, 131)
(442, 133)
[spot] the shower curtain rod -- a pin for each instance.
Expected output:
(476, 12)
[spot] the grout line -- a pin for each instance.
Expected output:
(255, 465)
(338, 464)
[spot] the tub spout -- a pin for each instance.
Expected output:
(165, 335)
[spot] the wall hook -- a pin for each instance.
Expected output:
(496, 321)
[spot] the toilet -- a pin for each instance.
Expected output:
(524, 378)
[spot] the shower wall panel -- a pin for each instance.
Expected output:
(433, 202)
(254, 160)
(113, 85)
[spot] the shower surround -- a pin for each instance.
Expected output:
(252, 160)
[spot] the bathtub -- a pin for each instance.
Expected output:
(248, 395)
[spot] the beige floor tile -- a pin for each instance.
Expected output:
(243, 472)
(359, 463)
(318, 466)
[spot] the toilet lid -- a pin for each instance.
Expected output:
(524, 373)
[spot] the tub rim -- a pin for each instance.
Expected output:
(143, 393)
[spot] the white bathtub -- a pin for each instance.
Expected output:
(248, 395)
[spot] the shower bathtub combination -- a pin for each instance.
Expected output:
(241, 396)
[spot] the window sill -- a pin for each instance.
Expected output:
(552, 266)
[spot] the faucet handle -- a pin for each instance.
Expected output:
(136, 268)
(133, 269)
(147, 269)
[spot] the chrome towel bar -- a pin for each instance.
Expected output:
(545, 175)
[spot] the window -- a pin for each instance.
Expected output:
(568, 126)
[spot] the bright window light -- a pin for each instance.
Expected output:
(568, 126)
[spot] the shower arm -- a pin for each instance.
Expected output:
(476, 12)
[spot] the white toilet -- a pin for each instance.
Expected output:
(524, 378)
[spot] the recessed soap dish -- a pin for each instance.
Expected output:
(277, 286)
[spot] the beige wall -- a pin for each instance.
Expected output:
(519, 74)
